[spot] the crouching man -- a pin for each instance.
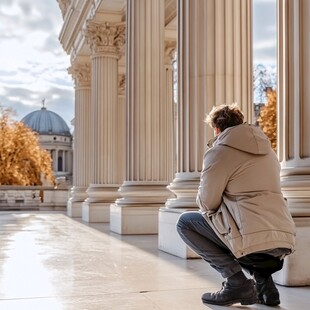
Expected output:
(244, 222)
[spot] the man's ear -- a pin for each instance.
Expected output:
(217, 130)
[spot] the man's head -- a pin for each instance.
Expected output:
(224, 116)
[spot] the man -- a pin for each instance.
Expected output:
(243, 222)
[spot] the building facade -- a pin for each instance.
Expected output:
(138, 155)
(55, 137)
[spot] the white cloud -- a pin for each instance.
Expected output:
(264, 32)
(33, 63)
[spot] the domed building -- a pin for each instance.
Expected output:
(54, 136)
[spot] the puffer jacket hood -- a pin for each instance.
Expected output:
(246, 138)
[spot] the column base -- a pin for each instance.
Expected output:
(168, 238)
(296, 268)
(96, 212)
(132, 220)
(74, 208)
(75, 202)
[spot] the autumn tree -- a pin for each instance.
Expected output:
(22, 160)
(268, 117)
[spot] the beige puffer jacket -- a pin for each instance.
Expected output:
(240, 194)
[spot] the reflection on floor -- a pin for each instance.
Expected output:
(49, 261)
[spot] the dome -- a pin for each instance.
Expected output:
(46, 123)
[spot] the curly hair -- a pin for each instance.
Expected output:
(224, 116)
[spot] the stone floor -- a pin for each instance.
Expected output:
(50, 262)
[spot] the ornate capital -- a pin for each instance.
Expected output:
(105, 38)
(170, 48)
(81, 74)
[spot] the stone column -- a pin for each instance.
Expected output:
(122, 126)
(149, 155)
(56, 154)
(64, 164)
(81, 74)
(104, 39)
(170, 50)
(214, 67)
(293, 131)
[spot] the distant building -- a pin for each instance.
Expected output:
(55, 137)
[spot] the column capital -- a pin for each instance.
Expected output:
(81, 74)
(105, 38)
(170, 49)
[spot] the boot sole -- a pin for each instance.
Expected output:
(270, 300)
(244, 301)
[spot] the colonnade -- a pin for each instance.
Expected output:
(136, 165)
(62, 160)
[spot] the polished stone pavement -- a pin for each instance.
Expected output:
(49, 261)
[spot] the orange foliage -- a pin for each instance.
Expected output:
(268, 118)
(22, 160)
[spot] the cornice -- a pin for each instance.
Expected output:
(73, 23)
(77, 12)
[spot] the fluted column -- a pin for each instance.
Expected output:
(81, 74)
(122, 126)
(214, 67)
(170, 50)
(149, 156)
(294, 130)
(105, 40)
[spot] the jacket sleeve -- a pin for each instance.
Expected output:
(213, 180)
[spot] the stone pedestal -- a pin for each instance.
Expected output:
(96, 208)
(74, 209)
(296, 268)
(96, 212)
(129, 220)
(168, 238)
(75, 202)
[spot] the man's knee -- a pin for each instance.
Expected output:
(186, 219)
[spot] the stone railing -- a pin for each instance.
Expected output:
(33, 198)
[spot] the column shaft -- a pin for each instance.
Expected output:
(81, 74)
(105, 178)
(214, 67)
(149, 162)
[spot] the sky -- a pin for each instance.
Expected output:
(264, 32)
(33, 64)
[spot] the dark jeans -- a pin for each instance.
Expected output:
(200, 237)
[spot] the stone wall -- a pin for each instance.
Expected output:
(33, 198)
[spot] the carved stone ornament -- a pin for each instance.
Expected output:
(121, 84)
(63, 5)
(170, 49)
(81, 74)
(106, 38)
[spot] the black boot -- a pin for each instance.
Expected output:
(267, 293)
(228, 295)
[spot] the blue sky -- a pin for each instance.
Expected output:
(34, 66)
